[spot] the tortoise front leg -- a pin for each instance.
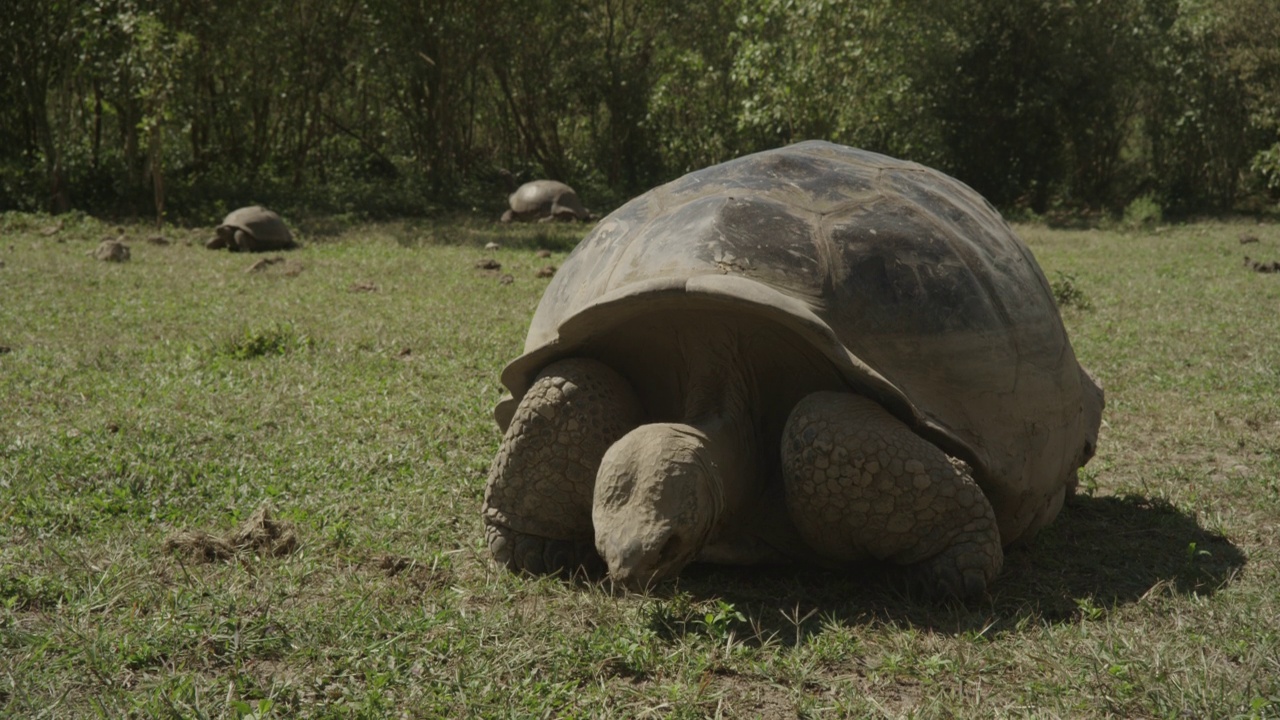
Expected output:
(221, 238)
(244, 242)
(537, 505)
(860, 484)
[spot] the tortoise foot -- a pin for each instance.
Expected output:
(521, 552)
(537, 505)
(960, 572)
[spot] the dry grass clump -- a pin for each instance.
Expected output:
(260, 534)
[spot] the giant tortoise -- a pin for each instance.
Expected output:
(252, 229)
(545, 201)
(810, 354)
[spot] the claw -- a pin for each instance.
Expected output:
(961, 572)
(520, 552)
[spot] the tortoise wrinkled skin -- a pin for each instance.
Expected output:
(252, 229)
(817, 354)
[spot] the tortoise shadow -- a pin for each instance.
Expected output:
(1101, 552)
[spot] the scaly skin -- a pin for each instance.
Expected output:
(537, 507)
(861, 485)
(667, 489)
(659, 496)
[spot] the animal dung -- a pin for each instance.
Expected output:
(363, 287)
(546, 272)
(1262, 267)
(506, 279)
(544, 254)
(488, 264)
(492, 246)
(1246, 238)
(259, 534)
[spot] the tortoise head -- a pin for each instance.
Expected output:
(658, 497)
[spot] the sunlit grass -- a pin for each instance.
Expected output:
(351, 386)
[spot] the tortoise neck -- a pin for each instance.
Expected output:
(718, 403)
(718, 384)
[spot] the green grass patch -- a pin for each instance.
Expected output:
(252, 343)
(350, 388)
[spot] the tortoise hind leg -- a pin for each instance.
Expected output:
(861, 485)
(537, 506)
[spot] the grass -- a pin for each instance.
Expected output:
(349, 390)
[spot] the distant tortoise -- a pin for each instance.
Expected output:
(545, 201)
(811, 354)
(111, 250)
(252, 229)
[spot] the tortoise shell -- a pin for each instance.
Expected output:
(259, 222)
(541, 199)
(904, 278)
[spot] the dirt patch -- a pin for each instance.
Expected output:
(411, 573)
(392, 564)
(260, 534)
(288, 268)
(264, 263)
(747, 697)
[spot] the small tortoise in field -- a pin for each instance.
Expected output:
(111, 250)
(545, 201)
(812, 354)
(252, 229)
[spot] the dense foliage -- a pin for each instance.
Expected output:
(381, 107)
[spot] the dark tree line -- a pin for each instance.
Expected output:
(187, 107)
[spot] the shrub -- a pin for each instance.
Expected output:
(1143, 211)
(1066, 293)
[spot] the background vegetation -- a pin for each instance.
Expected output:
(350, 389)
(385, 107)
